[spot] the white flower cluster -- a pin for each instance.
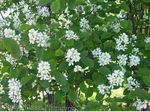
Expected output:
(71, 35)
(122, 42)
(64, 19)
(1, 89)
(40, 38)
(122, 59)
(78, 68)
(116, 78)
(44, 70)
(147, 40)
(72, 56)
(9, 33)
(14, 93)
(10, 59)
(116, 27)
(132, 84)
(103, 89)
(134, 60)
(43, 11)
(140, 105)
(96, 52)
(84, 24)
(104, 58)
(29, 16)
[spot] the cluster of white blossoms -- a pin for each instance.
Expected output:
(122, 42)
(116, 27)
(78, 68)
(84, 24)
(134, 60)
(14, 92)
(29, 15)
(72, 56)
(44, 70)
(116, 78)
(9, 33)
(96, 52)
(147, 40)
(103, 89)
(71, 35)
(132, 84)
(104, 58)
(43, 11)
(122, 59)
(2, 89)
(140, 105)
(9, 58)
(40, 38)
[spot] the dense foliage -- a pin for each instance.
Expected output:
(88, 54)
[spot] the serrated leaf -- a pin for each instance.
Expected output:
(55, 6)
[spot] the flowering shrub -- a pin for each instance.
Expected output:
(93, 55)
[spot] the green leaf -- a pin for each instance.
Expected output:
(71, 4)
(87, 61)
(83, 87)
(59, 95)
(104, 70)
(60, 78)
(147, 46)
(37, 105)
(114, 107)
(55, 6)
(146, 80)
(72, 96)
(89, 92)
(93, 106)
(26, 79)
(44, 84)
(12, 47)
(143, 71)
(59, 52)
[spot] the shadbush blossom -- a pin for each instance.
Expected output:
(14, 93)
(72, 56)
(44, 70)
(140, 105)
(104, 59)
(71, 35)
(134, 60)
(122, 42)
(103, 89)
(116, 78)
(132, 84)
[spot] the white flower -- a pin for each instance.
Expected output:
(122, 60)
(105, 1)
(1, 89)
(122, 42)
(103, 89)
(84, 24)
(10, 59)
(116, 78)
(96, 52)
(44, 70)
(116, 27)
(132, 84)
(104, 59)
(32, 36)
(9, 33)
(43, 11)
(72, 56)
(71, 35)
(14, 92)
(140, 105)
(147, 40)
(40, 38)
(78, 68)
(134, 60)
